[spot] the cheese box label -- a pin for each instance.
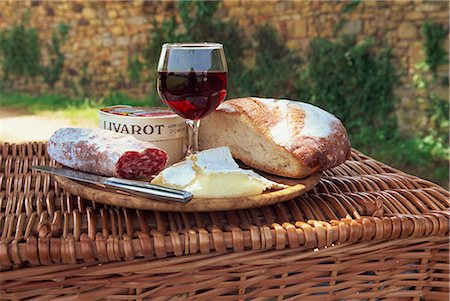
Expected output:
(161, 126)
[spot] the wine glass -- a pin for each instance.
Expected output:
(192, 81)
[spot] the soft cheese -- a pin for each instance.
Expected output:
(213, 173)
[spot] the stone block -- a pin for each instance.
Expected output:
(370, 26)
(86, 43)
(414, 16)
(95, 21)
(312, 27)
(107, 41)
(138, 3)
(403, 44)
(112, 14)
(108, 22)
(88, 13)
(117, 30)
(369, 13)
(293, 44)
(416, 53)
(446, 44)
(116, 63)
(237, 12)
(77, 7)
(230, 3)
(298, 28)
(370, 3)
(327, 30)
(267, 9)
(327, 8)
(443, 70)
(136, 20)
(443, 15)
(83, 22)
(399, 52)
(401, 2)
(281, 7)
(299, 5)
(353, 27)
(442, 92)
(429, 6)
(407, 31)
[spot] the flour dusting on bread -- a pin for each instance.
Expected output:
(317, 122)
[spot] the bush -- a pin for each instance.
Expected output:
(275, 68)
(353, 81)
(19, 50)
(52, 71)
(21, 55)
(435, 53)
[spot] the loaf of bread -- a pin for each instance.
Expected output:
(282, 137)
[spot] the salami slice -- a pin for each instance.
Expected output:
(106, 153)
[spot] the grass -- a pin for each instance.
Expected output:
(55, 102)
(60, 106)
(426, 157)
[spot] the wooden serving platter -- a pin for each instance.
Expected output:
(102, 195)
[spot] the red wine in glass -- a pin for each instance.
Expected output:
(194, 94)
(192, 81)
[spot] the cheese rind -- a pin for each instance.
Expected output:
(214, 174)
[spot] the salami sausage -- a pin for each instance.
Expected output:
(106, 153)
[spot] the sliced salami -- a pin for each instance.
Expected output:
(106, 153)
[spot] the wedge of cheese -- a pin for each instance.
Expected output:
(213, 173)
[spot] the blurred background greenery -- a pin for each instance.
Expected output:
(353, 78)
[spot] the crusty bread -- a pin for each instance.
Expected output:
(281, 137)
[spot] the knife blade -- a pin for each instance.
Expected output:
(140, 188)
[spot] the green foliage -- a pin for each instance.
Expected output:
(434, 34)
(164, 33)
(275, 65)
(436, 109)
(81, 87)
(198, 13)
(19, 50)
(422, 156)
(199, 25)
(52, 72)
(134, 69)
(53, 102)
(350, 6)
(346, 9)
(352, 81)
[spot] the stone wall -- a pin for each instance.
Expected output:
(104, 34)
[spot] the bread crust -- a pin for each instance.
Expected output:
(299, 172)
(292, 127)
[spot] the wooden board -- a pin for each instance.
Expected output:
(100, 194)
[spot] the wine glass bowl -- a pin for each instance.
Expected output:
(192, 95)
(192, 81)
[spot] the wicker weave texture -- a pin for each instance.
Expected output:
(367, 231)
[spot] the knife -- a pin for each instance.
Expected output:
(140, 188)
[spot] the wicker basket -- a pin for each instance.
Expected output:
(366, 232)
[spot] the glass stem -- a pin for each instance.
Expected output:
(193, 136)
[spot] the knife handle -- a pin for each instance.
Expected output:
(148, 190)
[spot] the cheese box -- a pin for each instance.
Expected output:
(161, 126)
